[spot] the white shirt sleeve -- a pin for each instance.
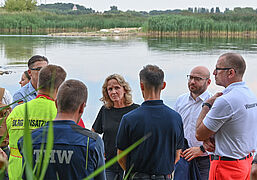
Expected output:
(176, 106)
(7, 98)
(220, 112)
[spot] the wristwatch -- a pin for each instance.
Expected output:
(202, 149)
(254, 161)
(207, 104)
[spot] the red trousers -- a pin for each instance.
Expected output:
(230, 170)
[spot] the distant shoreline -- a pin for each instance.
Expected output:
(137, 32)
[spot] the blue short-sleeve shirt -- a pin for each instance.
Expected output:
(24, 94)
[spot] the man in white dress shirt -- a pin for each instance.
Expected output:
(189, 106)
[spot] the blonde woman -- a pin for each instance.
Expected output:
(117, 101)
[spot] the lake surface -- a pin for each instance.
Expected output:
(92, 59)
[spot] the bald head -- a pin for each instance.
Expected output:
(202, 71)
(199, 80)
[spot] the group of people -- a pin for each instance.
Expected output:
(203, 137)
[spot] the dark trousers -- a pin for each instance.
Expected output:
(114, 175)
(196, 169)
(143, 176)
(203, 164)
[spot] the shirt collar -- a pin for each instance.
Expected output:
(62, 122)
(153, 102)
(31, 88)
(44, 96)
(232, 86)
(202, 97)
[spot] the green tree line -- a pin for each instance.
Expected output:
(65, 8)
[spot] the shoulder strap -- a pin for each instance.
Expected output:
(1, 94)
(84, 131)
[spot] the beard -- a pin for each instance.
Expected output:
(197, 90)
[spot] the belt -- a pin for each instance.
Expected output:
(203, 157)
(224, 158)
(137, 175)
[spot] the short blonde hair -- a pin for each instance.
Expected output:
(108, 103)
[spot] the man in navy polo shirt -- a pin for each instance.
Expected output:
(155, 157)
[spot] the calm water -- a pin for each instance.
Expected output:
(91, 60)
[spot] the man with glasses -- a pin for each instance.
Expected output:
(189, 106)
(231, 117)
(29, 91)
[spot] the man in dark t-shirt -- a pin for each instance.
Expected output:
(156, 156)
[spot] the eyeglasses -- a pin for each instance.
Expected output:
(190, 78)
(36, 69)
(216, 69)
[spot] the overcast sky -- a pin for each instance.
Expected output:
(147, 5)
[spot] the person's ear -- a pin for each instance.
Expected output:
(209, 81)
(142, 86)
(82, 107)
(163, 85)
(231, 72)
(29, 72)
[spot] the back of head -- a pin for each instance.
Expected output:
(34, 59)
(51, 77)
(236, 62)
(152, 77)
(27, 75)
(71, 94)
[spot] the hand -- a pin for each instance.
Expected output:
(191, 153)
(213, 98)
(209, 144)
(2, 153)
(3, 158)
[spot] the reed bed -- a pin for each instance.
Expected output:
(234, 25)
(38, 20)
(201, 25)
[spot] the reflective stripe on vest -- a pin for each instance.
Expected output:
(15, 152)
